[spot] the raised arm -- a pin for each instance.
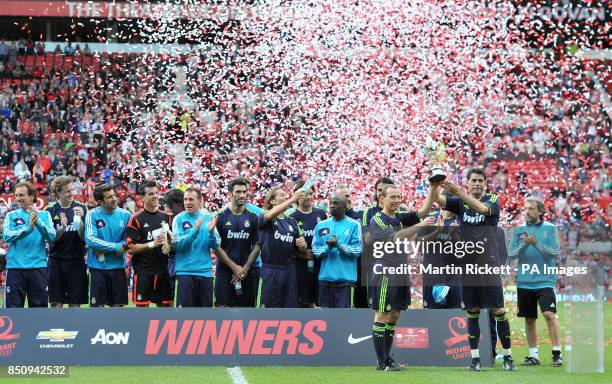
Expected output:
(281, 208)
(429, 200)
(468, 199)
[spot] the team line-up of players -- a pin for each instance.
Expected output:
(269, 254)
(239, 240)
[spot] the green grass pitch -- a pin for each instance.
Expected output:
(324, 375)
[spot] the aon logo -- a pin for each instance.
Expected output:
(110, 337)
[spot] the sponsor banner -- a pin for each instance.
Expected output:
(121, 10)
(131, 336)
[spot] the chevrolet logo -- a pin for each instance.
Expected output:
(57, 335)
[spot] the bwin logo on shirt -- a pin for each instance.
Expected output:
(473, 219)
(238, 235)
(287, 238)
(308, 232)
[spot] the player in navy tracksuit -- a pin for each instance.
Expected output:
(306, 266)
(390, 293)
(238, 227)
(478, 214)
(67, 268)
(441, 291)
(27, 230)
(256, 268)
(366, 218)
(105, 236)
(173, 200)
(337, 242)
(280, 239)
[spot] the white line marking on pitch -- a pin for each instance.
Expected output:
(237, 376)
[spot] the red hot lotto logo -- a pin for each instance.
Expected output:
(253, 337)
(7, 337)
(457, 326)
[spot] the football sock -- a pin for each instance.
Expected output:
(493, 329)
(473, 329)
(503, 330)
(389, 333)
(378, 336)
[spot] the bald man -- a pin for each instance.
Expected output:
(337, 242)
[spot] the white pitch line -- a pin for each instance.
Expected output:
(236, 375)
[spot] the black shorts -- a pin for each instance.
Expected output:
(278, 286)
(528, 300)
(485, 296)
(256, 272)
(152, 287)
(172, 277)
(225, 291)
(194, 291)
(453, 299)
(306, 286)
(30, 283)
(334, 294)
(387, 297)
(68, 281)
(108, 287)
(360, 293)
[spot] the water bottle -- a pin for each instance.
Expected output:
(76, 222)
(238, 288)
(308, 186)
(310, 265)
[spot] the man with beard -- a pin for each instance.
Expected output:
(537, 244)
(478, 214)
(237, 226)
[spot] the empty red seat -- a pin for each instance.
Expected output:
(57, 61)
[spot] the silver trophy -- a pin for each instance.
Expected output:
(437, 174)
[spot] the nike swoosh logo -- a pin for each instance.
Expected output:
(352, 340)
